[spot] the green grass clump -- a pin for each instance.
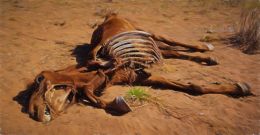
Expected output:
(137, 94)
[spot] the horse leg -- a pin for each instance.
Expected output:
(89, 92)
(98, 81)
(171, 42)
(101, 81)
(199, 59)
(240, 89)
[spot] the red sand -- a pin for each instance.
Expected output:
(38, 35)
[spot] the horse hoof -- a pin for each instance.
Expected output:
(212, 61)
(120, 105)
(210, 46)
(244, 88)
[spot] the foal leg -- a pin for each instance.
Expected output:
(240, 89)
(199, 59)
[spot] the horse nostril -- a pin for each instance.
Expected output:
(34, 114)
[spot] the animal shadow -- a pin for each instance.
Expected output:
(23, 97)
(81, 52)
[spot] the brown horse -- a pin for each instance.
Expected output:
(120, 53)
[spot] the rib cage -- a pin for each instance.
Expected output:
(133, 48)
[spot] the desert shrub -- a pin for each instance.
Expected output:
(248, 35)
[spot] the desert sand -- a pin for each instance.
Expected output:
(42, 35)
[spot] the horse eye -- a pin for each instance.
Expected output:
(39, 79)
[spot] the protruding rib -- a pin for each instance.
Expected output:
(133, 47)
(138, 63)
(128, 41)
(136, 46)
(135, 32)
(140, 59)
(122, 38)
(140, 54)
(126, 50)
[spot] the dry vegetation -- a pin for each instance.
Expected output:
(247, 37)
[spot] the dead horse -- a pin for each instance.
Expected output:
(126, 53)
(120, 53)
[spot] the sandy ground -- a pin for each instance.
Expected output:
(40, 35)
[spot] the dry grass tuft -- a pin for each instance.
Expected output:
(248, 35)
